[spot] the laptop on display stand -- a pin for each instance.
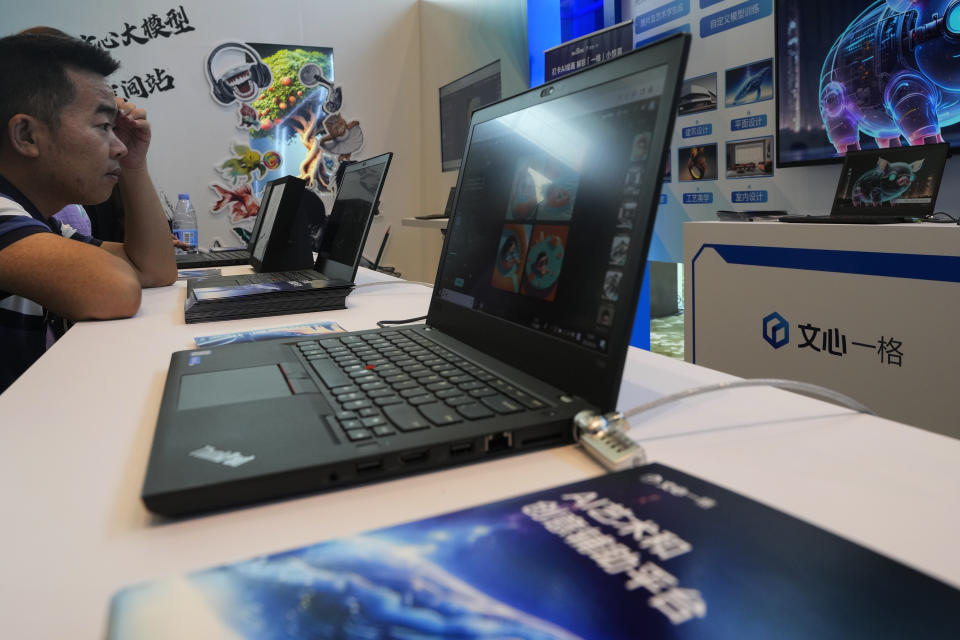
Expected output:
(885, 186)
(276, 289)
(287, 231)
(529, 322)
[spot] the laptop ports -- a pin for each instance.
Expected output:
(415, 457)
(498, 442)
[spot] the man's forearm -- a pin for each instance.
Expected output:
(146, 232)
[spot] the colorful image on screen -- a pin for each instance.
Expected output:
(856, 74)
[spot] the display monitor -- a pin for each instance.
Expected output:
(863, 74)
(458, 100)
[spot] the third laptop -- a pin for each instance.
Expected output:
(274, 292)
(529, 322)
(885, 186)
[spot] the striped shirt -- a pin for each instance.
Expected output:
(24, 324)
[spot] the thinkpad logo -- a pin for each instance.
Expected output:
(226, 458)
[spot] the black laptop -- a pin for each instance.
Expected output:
(280, 286)
(286, 244)
(529, 322)
(885, 186)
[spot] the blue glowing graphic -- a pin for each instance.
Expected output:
(891, 75)
(952, 19)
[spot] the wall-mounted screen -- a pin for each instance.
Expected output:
(862, 74)
(458, 100)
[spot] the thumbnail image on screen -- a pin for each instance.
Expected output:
(751, 158)
(698, 95)
(697, 163)
(865, 74)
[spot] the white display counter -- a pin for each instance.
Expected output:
(868, 310)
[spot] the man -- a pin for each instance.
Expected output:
(65, 139)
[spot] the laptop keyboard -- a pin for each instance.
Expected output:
(281, 276)
(394, 381)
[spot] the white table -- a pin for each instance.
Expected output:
(76, 428)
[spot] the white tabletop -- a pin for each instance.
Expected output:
(76, 428)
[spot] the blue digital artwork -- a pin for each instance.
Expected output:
(893, 75)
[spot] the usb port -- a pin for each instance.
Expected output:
(369, 466)
(460, 449)
(414, 457)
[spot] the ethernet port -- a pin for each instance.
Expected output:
(498, 442)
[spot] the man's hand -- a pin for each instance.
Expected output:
(132, 128)
(177, 243)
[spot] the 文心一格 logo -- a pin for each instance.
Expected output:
(776, 330)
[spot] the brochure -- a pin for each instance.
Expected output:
(649, 552)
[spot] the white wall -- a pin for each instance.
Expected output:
(390, 57)
(376, 47)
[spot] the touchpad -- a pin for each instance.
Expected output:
(218, 388)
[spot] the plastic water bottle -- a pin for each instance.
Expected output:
(185, 223)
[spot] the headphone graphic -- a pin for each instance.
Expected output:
(260, 73)
(311, 75)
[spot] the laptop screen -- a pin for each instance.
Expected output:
(349, 221)
(897, 181)
(263, 227)
(549, 213)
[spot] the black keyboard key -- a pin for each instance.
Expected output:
(379, 393)
(501, 404)
(330, 373)
(524, 398)
(406, 384)
(356, 404)
(368, 411)
(449, 393)
(383, 430)
(474, 411)
(482, 392)
(454, 401)
(373, 386)
(412, 391)
(350, 424)
(422, 399)
(440, 414)
(387, 400)
(373, 421)
(439, 386)
(398, 377)
(473, 384)
(460, 378)
(406, 418)
(350, 397)
(349, 388)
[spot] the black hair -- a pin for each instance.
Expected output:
(33, 74)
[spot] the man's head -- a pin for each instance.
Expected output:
(57, 113)
(33, 74)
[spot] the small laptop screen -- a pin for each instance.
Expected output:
(347, 225)
(267, 216)
(553, 204)
(899, 181)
